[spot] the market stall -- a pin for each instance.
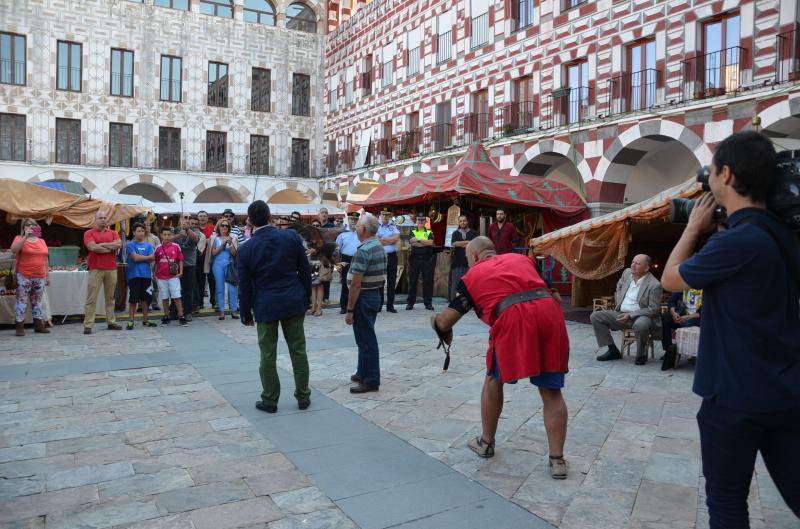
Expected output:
(66, 215)
(596, 250)
(475, 184)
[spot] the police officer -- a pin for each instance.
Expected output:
(388, 235)
(347, 243)
(422, 259)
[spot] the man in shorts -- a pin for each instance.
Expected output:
(140, 287)
(528, 339)
(169, 268)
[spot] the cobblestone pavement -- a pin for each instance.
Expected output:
(162, 446)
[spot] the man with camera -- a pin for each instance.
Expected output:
(748, 362)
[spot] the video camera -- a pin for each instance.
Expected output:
(785, 202)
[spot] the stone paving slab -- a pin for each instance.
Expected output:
(632, 441)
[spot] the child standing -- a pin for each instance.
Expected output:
(324, 265)
(169, 268)
(140, 286)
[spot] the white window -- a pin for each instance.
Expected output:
(387, 58)
(444, 29)
(413, 40)
(348, 87)
(332, 88)
(479, 23)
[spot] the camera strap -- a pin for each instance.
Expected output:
(791, 262)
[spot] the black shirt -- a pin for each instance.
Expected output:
(459, 257)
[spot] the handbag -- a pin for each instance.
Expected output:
(172, 265)
(231, 272)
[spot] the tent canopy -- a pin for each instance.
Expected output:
(598, 247)
(21, 199)
(240, 208)
(476, 175)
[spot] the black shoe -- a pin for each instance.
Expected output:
(343, 311)
(355, 378)
(611, 354)
(670, 357)
(269, 408)
(363, 388)
(429, 307)
(164, 321)
(409, 307)
(182, 321)
(302, 404)
(391, 309)
(641, 360)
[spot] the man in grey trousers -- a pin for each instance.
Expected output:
(638, 307)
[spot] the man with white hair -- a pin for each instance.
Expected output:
(365, 279)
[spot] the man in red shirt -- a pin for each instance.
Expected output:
(527, 339)
(103, 245)
(502, 233)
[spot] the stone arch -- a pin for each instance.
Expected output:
(654, 128)
(781, 123)
(318, 8)
(646, 159)
(147, 191)
(149, 180)
(287, 196)
(223, 186)
(310, 194)
(71, 176)
(557, 147)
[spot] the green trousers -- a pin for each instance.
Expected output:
(295, 337)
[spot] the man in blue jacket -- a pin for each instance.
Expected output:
(275, 287)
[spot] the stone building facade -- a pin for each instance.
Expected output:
(619, 99)
(158, 97)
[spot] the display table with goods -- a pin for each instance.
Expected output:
(67, 291)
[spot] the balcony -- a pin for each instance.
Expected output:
(787, 63)
(366, 83)
(407, 144)
(567, 106)
(301, 24)
(413, 61)
(331, 162)
(472, 128)
(444, 49)
(479, 30)
(383, 150)
(632, 92)
(713, 74)
(437, 137)
(515, 118)
(570, 4)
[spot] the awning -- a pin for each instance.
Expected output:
(240, 208)
(596, 248)
(21, 200)
(476, 175)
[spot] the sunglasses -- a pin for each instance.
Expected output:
(224, 225)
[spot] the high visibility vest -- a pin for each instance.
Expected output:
(422, 235)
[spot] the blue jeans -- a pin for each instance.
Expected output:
(729, 442)
(219, 279)
(364, 313)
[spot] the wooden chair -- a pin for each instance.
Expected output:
(629, 339)
(599, 304)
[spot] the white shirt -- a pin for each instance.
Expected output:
(629, 302)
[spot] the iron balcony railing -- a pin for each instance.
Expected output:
(569, 4)
(407, 144)
(632, 92)
(713, 74)
(444, 49)
(787, 62)
(331, 163)
(12, 72)
(479, 30)
(437, 137)
(413, 61)
(515, 118)
(382, 150)
(472, 128)
(566, 106)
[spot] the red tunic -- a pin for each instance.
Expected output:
(504, 238)
(528, 338)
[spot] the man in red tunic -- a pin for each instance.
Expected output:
(528, 339)
(502, 233)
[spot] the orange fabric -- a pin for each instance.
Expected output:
(598, 247)
(32, 259)
(21, 200)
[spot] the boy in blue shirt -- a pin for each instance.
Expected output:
(140, 290)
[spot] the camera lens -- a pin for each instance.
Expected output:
(680, 209)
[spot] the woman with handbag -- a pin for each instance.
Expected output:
(221, 261)
(31, 275)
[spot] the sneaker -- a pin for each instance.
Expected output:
(558, 467)
(481, 447)
(148, 323)
(129, 326)
(165, 321)
(182, 321)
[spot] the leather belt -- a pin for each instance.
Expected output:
(520, 297)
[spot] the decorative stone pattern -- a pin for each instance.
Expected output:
(598, 32)
(150, 32)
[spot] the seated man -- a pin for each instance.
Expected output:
(638, 305)
(684, 311)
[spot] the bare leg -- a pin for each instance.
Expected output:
(132, 310)
(555, 419)
(491, 407)
(179, 306)
(145, 307)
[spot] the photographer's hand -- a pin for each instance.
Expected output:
(701, 219)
